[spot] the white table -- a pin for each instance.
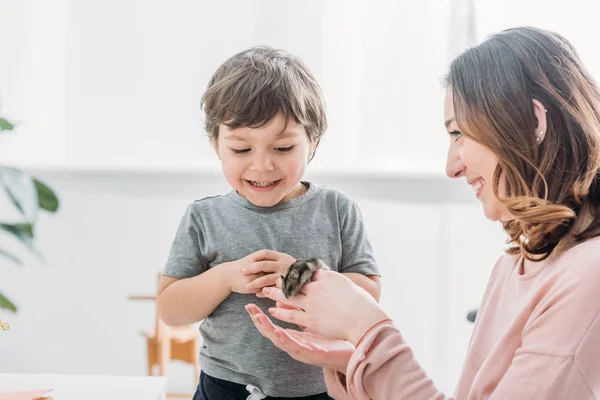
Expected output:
(89, 387)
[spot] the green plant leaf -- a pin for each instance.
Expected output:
(7, 304)
(10, 257)
(23, 232)
(5, 125)
(21, 190)
(47, 200)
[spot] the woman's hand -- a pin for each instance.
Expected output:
(305, 347)
(332, 305)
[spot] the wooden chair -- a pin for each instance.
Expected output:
(167, 343)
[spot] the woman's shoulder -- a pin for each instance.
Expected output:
(590, 246)
(581, 261)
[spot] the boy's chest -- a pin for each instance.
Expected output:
(298, 235)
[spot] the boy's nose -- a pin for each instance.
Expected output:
(262, 163)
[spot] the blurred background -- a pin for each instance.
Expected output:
(105, 97)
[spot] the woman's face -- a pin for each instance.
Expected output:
(477, 163)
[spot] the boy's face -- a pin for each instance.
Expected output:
(265, 165)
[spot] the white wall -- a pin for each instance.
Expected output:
(118, 83)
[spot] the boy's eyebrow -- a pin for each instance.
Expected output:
(235, 137)
(286, 134)
(283, 135)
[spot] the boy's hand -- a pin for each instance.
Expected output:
(271, 264)
(237, 279)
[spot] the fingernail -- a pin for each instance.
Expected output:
(272, 310)
(266, 290)
(244, 270)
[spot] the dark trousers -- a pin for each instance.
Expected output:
(211, 388)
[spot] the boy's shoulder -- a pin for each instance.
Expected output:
(206, 204)
(332, 194)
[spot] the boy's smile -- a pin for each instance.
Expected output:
(263, 186)
(265, 164)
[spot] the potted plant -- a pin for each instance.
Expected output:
(28, 195)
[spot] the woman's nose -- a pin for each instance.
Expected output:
(455, 168)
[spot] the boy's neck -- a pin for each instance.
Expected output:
(297, 191)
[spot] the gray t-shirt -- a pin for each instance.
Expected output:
(322, 223)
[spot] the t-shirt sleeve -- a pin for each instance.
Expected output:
(185, 258)
(357, 253)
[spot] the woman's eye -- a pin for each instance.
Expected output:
(455, 135)
(284, 149)
(240, 151)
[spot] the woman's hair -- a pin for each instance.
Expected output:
(550, 183)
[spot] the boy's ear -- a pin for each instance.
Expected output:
(313, 147)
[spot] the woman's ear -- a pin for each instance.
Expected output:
(540, 113)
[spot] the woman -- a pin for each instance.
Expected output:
(523, 117)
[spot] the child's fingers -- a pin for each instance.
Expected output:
(263, 281)
(261, 266)
(264, 254)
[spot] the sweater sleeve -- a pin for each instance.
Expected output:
(382, 367)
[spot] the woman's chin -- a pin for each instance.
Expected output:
(496, 212)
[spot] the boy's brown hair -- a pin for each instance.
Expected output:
(251, 87)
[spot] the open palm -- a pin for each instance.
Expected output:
(304, 346)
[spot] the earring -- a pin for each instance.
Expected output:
(541, 133)
(545, 110)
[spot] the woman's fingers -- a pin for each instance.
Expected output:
(289, 343)
(286, 306)
(276, 294)
(289, 315)
(262, 323)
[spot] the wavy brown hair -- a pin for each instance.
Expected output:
(552, 185)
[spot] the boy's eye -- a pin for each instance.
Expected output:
(284, 149)
(455, 135)
(240, 151)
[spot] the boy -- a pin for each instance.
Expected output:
(265, 116)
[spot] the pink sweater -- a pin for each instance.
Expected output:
(537, 336)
